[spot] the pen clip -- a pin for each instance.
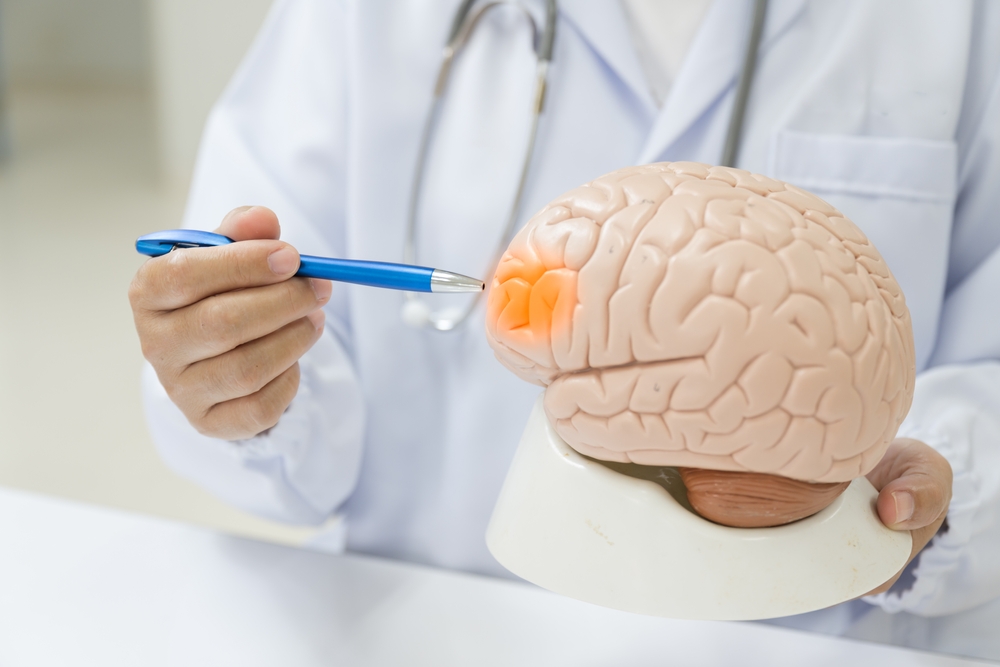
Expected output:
(160, 243)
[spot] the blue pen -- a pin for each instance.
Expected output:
(360, 272)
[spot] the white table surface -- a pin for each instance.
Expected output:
(81, 585)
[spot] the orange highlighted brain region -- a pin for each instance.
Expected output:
(686, 315)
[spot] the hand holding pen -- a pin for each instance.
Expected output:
(225, 326)
(385, 275)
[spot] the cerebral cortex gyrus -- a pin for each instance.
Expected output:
(706, 317)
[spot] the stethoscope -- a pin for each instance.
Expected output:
(416, 312)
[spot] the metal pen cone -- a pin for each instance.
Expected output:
(446, 281)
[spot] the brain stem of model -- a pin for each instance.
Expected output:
(706, 317)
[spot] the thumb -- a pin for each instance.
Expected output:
(250, 222)
(914, 483)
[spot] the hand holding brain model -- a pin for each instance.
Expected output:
(721, 322)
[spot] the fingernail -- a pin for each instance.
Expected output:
(904, 506)
(283, 261)
(321, 288)
(317, 317)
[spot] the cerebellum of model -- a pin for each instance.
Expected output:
(727, 324)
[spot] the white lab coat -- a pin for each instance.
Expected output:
(890, 110)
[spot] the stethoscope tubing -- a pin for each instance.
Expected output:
(461, 28)
(731, 149)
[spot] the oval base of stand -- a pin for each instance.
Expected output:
(580, 529)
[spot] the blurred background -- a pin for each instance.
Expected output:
(102, 103)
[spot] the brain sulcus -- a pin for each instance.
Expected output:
(706, 317)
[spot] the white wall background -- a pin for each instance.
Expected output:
(196, 46)
(75, 42)
(181, 52)
(107, 97)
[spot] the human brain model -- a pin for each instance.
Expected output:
(710, 319)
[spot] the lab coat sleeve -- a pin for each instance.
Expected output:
(956, 406)
(956, 410)
(278, 138)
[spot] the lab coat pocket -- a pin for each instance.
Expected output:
(899, 191)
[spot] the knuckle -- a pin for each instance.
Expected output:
(197, 415)
(185, 396)
(151, 350)
(247, 376)
(180, 395)
(137, 288)
(173, 280)
(221, 421)
(188, 396)
(939, 462)
(217, 324)
(246, 263)
(255, 366)
(241, 266)
(273, 403)
(247, 416)
(288, 290)
(940, 497)
(207, 427)
(152, 341)
(264, 413)
(291, 377)
(939, 473)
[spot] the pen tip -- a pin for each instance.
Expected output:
(446, 281)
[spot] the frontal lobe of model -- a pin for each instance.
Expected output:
(706, 318)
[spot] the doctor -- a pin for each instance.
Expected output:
(300, 400)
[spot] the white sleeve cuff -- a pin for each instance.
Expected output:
(925, 576)
(956, 410)
(300, 470)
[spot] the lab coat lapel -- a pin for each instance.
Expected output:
(712, 66)
(603, 24)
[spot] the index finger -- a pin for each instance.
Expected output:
(186, 276)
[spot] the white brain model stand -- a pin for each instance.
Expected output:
(724, 356)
